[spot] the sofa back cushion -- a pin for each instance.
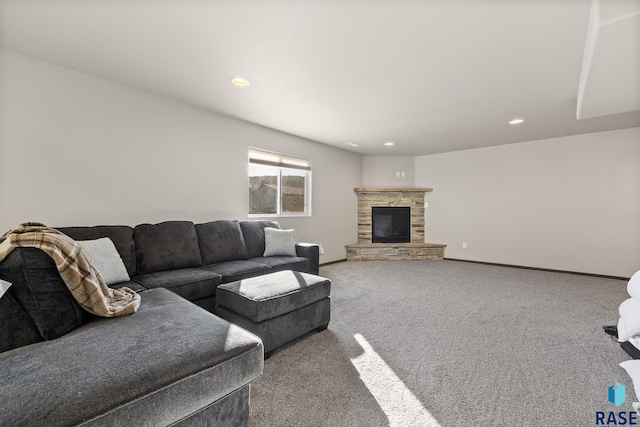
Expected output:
(39, 291)
(221, 241)
(253, 232)
(166, 246)
(120, 235)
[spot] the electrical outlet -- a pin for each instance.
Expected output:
(321, 250)
(464, 245)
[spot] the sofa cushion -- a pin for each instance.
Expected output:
(190, 283)
(221, 241)
(120, 235)
(166, 246)
(253, 232)
(41, 293)
(167, 361)
(278, 263)
(237, 270)
(104, 257)
(131, 284)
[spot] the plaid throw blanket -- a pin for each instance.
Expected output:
(85, 284)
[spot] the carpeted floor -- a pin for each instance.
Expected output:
(451, 344)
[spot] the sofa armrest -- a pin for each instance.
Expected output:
(312, 252)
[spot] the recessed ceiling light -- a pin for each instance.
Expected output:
(239, 81)
(388, 143)
(516, 121)
(353, 144)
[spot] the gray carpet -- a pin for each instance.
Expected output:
(446, 343)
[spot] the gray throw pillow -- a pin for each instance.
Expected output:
(279, 242)
(104, 257)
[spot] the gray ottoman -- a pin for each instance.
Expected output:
(278, 307)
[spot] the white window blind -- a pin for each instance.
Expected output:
(279, 160)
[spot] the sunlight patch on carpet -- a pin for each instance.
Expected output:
(399, 404)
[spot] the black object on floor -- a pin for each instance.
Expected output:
(630, 349)
(611, 330)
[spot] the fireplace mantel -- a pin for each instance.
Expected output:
(393, 190)
(412, 197)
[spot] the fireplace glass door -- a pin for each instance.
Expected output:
(390, 224)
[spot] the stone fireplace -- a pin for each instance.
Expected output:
(381, 239)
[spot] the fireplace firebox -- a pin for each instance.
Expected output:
(390, 224)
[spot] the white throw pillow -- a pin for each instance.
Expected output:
(104, 257)
(629, 321)
(279, 242)
(633, 287)
(633, 369)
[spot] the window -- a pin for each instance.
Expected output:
(278, 184)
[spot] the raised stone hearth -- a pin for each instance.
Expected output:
(413, 198)
(394, 251)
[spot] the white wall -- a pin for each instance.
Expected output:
(381, 171)
(78, 150)
(570, 203)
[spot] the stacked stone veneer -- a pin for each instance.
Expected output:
(397, 197)
(413, 198)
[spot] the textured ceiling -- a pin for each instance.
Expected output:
(432, 76)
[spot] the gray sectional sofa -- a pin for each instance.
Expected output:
(193, 259)
(170, 363)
